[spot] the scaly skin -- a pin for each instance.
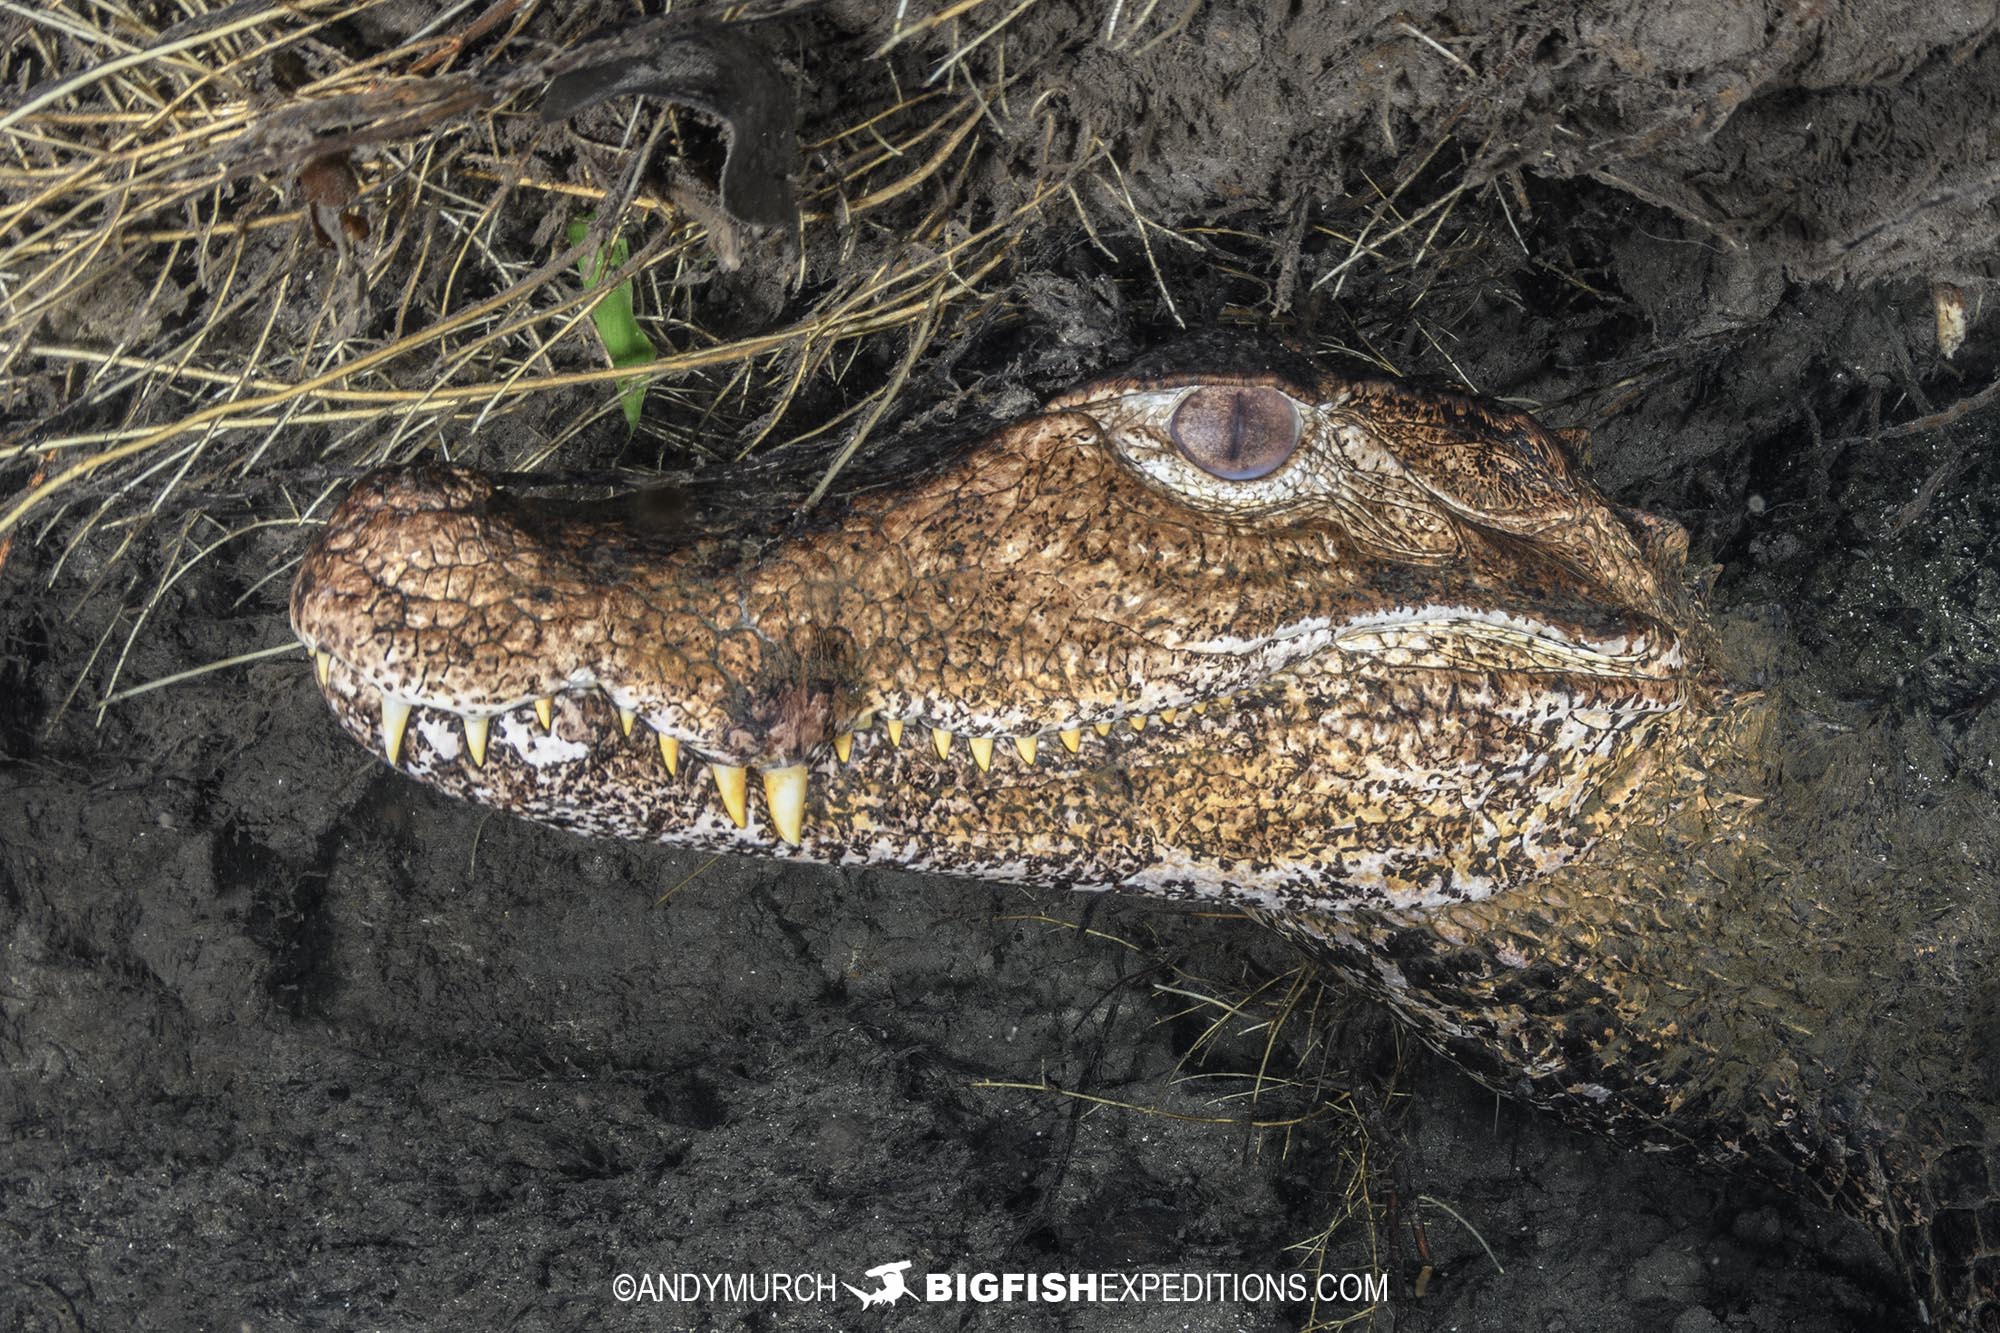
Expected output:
(1374, 662)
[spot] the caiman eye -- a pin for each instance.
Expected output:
(1234, 431)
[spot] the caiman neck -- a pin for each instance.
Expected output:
(1741, 973)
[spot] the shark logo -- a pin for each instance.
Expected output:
(893, 1288)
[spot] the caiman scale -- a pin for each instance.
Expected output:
(1374, 662)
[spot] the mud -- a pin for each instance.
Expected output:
(289, 1042)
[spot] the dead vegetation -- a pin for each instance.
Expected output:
(243, 257)
(242, 261)
(155, 260)
(248, 250)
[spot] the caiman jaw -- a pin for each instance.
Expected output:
(1235, 576)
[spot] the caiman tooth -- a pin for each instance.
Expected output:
(1201, 708)
(785, 794)
(1072, 738)
(1101, 728)
(626, 717)
(843, 746)
(1027, 745)
(670, 751)
(941, 741)
(895, 728)
(982, 752)
(395, 718)
(322, 665)
(1170, 715)
(733, 781)
(545, 713)
(1137, 721)
(476, 731)
(865, 721)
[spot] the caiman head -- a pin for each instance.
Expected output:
(1300, 645)
(1352, 655)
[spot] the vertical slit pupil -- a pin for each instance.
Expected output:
(1236, 432)
(1238, 429)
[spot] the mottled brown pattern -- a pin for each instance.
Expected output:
(1420, 646)
(1387, 692)
(1820, 1025)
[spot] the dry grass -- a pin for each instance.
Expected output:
(185, 371)
(182, 367)
(161, 169)
(172, 344)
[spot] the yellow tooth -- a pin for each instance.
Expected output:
(865, 721)
(982, 752)
(843, 746)
(734, 784)
(1137, 721)
(626, 717)
(1101, 728)
(1072, 738)
(1169, 715)
(476, 729)
(785, 794)
(670, 751)
(545, 713)
(941, 741)
(1201, 709)
(395, 717)
(1027, 746)
(322, 666)
(895, 726)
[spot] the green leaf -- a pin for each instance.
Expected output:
(624, 342)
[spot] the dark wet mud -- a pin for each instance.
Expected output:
(287, 1041)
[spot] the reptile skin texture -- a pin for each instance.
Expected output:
(1376, 663)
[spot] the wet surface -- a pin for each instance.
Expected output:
(287, 1040)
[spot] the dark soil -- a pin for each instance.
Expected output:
(287, 1041)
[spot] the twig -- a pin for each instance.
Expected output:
(920, 338)
(258, 655)
(1923, 425)
(1440, 1203)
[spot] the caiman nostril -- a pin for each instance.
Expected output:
(1037, 588)
(1424, 698)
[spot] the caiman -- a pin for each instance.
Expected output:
(1375, 663)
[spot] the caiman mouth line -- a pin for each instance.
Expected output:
(1366, 661)
(1405, 639)
(785, 786)
(1359, 643)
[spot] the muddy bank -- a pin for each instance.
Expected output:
(295, 1041)
(291, 1041)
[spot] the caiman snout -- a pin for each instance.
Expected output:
(1373, 661)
